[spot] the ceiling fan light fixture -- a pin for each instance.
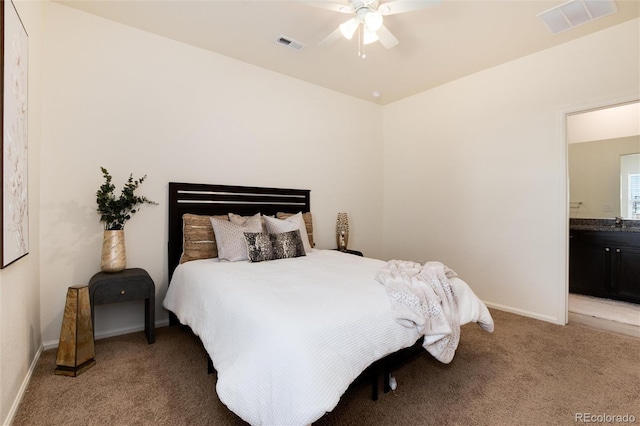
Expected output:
(370, 13)
(368, 36)
(348, 29)
(373, 20)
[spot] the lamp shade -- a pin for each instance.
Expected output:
(373, 20)
(368, 36)
(348, 29)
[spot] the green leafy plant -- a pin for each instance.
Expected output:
(115, 212)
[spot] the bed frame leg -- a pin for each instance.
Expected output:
(209, 365)
(374, 384)
(173, 319)
(386, 374)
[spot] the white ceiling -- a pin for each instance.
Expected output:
(437, 45)
(605, 123)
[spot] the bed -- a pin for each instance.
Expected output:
(287, 337)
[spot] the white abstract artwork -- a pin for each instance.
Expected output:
(15, 196)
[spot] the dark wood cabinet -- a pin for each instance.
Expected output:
(628, 273)
(605, 264)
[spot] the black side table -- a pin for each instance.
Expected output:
(355, 252)
(130, 284)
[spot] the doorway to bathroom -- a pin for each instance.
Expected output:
(603, 149)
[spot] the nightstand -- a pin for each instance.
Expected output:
(357, 253)
(130, 284)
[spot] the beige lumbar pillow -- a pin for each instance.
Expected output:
(198, 240)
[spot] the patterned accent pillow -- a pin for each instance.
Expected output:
(308, 224)
(287, 244)
(198, 240)
(293, 222)
(261, 246)
(230, 237)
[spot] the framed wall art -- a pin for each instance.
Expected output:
(14, 140)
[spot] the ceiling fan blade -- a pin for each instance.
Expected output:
(336, 7)
(387, 39)
(331, 38)
(401, 6)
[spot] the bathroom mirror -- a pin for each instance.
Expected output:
(630, 186)
(604, 162)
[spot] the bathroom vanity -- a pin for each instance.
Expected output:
(604, 258)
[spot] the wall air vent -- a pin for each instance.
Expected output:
(576, 12)
(289, 42)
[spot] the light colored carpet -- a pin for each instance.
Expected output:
(612, 310)
(527, 372)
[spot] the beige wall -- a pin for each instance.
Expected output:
(19, 282)
(475, 170)
(134, 102)
(594, 176)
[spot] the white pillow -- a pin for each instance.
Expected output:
(241, 220)
(230, 237)
(278, 226)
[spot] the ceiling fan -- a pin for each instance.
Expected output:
(367, 19)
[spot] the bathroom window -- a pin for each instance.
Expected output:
(634, 195)
(630, 186)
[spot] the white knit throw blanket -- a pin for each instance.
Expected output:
(421, 296)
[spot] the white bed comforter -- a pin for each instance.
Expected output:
(287, 337)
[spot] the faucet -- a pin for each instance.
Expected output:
(618, 222)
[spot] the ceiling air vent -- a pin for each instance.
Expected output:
(290, 43)
(576, 12)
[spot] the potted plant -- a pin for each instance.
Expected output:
(114, 213)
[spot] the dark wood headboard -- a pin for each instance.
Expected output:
(206, 199)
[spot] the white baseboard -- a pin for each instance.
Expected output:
(524, 313)
(52, 344)
(23, 388)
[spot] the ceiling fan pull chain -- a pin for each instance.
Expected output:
(361, 52)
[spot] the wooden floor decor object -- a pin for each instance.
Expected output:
(76, 350)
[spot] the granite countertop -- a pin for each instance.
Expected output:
(604, 225)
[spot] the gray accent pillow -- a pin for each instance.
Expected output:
(284, 245)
